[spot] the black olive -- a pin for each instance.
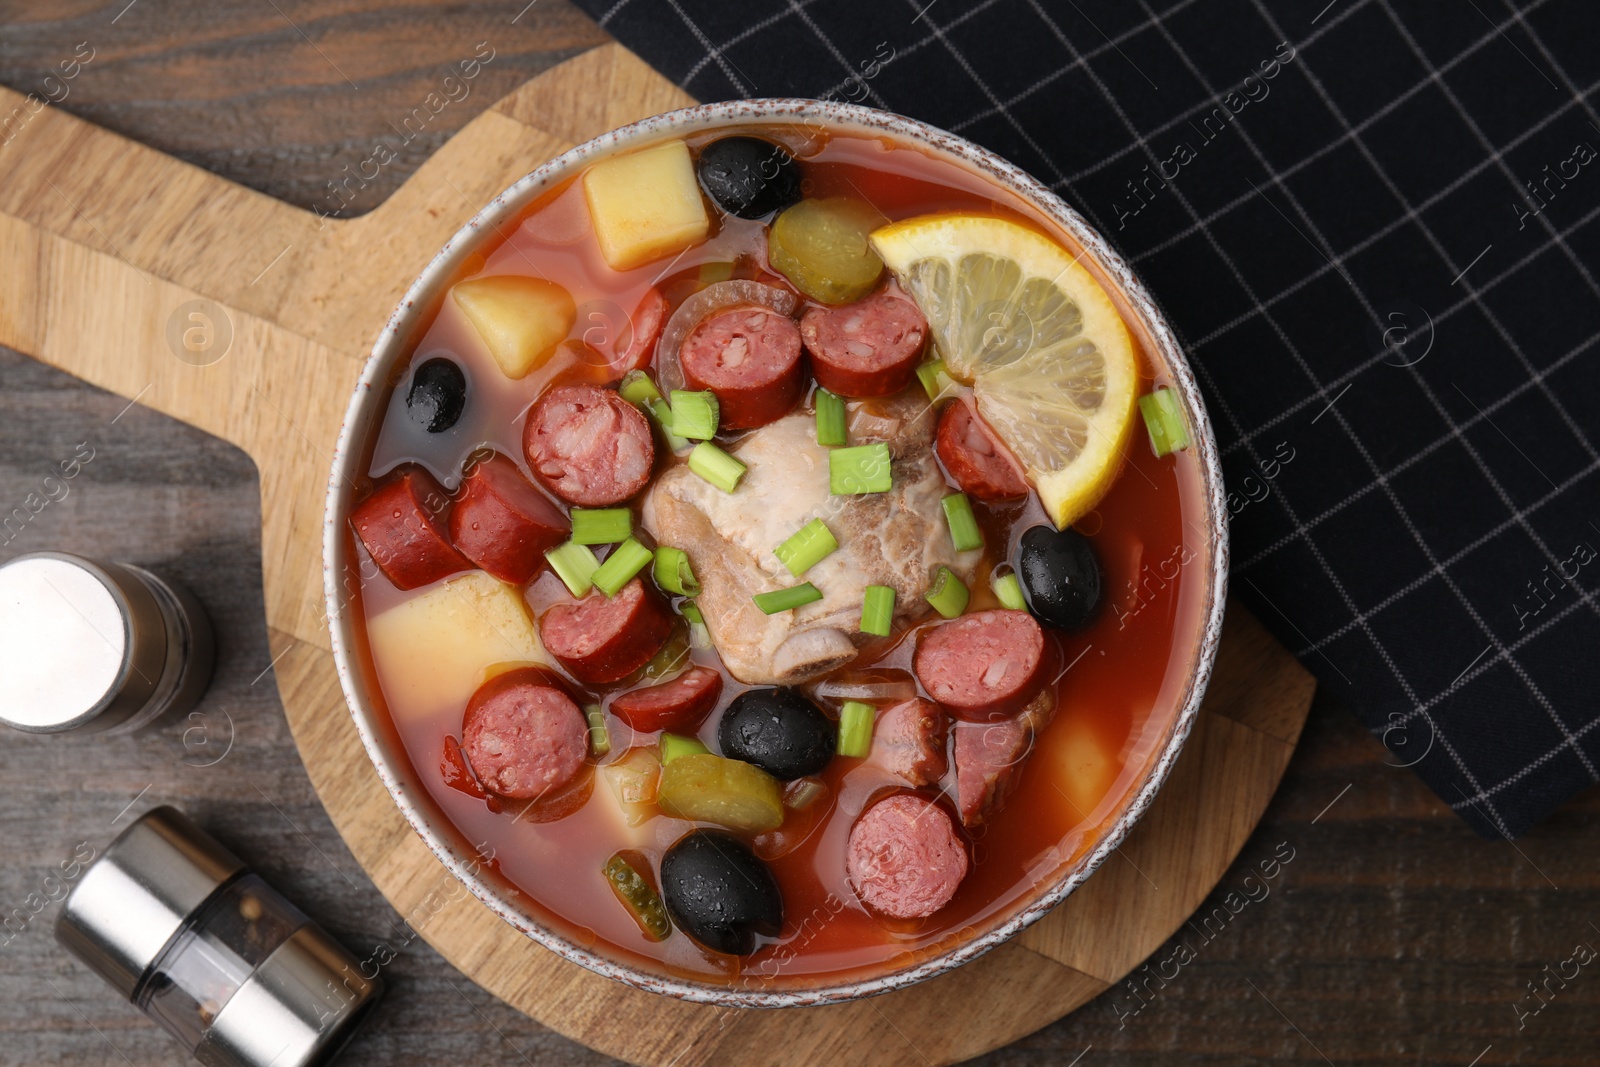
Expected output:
(438, 395)
(719, 893)
(749, 177)
(778, 730)
(1060, 576)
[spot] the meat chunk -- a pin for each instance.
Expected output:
(905, 858)
(894, 539)
(975, 456)
(749, 357)
(908, 741)
(523, 736)
(602, 639)
(985, 666)
(588, 445)
(402, 527)
(989, 758)
(868, 348)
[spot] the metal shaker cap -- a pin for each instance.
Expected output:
(140, 893)
(90, 647)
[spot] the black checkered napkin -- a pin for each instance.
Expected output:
(1372, 223)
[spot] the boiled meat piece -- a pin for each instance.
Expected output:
(896, 539)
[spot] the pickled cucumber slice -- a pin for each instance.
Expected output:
(728, 792)
(638, 896)
(821, 246)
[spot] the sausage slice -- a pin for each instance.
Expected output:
(908, 741)
(905, 858)
(984, 666)
(978, 460)
(502, 523)
(678, 704)
(750, 357)
(602, 639)
(868, 348)
(401, 527)
(989, 757)
(523, 736)
(588, 445)
(634, 350)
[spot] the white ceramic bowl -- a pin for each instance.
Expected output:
(367, 407)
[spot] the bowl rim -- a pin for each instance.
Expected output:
(421, 295)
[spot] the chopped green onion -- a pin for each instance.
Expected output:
(934, 378)
(785, 599)
(637, 388)
(694, 415)
(948, 596)
(803, 793)
(691, 611)
(575, 565)
(673, 572)
(1009, 590)
(699, 636)
(877, 610)
(964, 532)
(599, 736)
(855, 728)
(830, 419)
(806, 548)
(634, 892)
(662, 413)
(1164, 419)
(716, 466)
(601, 526)
(861, 469)
(675, 745)
(626, 560)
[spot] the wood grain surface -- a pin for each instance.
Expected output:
(1391, 935)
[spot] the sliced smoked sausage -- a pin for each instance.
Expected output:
(976, 458)
(402, 527)
(908, 741)
(634, 349)
(985, 666)
(750, 357)
(868, 348)
(989, 757)
(588, 445)
(602, 639)
(523, 735)
(502, 523)
(905, 858)
(680, 703)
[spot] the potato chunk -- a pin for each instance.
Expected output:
(434, 650)
(521, 320)
(645, 205)
(1083, 769)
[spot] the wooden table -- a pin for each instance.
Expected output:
(1393, 935)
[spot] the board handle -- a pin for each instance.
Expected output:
(131, 269)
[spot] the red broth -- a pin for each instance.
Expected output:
(1124, 681)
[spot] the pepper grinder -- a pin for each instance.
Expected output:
(207, 949)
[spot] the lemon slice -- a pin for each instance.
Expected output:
(1048, 358)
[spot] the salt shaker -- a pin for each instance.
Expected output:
(96, 647)
(211, 952)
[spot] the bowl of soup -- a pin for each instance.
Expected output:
(774, 553)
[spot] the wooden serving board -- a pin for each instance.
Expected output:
(105, 244)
